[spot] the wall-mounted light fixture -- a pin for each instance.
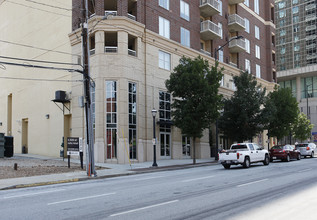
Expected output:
(47, 116)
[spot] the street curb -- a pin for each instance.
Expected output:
(132, 172)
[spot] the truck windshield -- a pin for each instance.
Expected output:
(235, 147)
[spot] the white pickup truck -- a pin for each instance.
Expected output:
(245, 154)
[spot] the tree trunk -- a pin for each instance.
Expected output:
(194, 150)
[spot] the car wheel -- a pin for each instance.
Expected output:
(287, 158)
(266, 160)
(312, 154)
(299, 156)
(246, 163)
(226, 166)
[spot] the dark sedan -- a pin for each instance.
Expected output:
(284, 153)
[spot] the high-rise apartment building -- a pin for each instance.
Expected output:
(134, 46)
(296, 57)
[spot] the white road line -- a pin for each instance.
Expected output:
(252, 182)
(304, 170)
(147, 207)
(88, 197)
(33, 194)
(201, 178)
(148, 178)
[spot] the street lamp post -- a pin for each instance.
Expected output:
(216, 59)
(154, 111)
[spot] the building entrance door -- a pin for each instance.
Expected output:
(165, 141)
(111, 148)
(186, 147)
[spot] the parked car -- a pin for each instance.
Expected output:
(284, 153)
(307, 149)
(245, 154)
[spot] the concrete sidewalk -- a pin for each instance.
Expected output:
(112, 170)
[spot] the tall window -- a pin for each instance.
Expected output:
(184, 10)
(256, 6)
(132, 120)
(246, 2)
(247, 66)
(164, 60)
(257, 52)
(111, 119)
(165, 110)
(257, 32)
(247, 25)
(165, 4)
(185, 37)
(247, 45)
(220, 6)
(258, 70)
(164, 27)
(220, 27)
(220, 55)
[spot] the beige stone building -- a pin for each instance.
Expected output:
(34, 31)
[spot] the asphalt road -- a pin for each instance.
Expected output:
(279, 191)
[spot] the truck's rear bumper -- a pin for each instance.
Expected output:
(231, 162)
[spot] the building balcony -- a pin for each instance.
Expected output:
(110, 13)
(132, 17)
(110, 49)
(236, 23)
(132, 52)
(209, 7)
(209, 30)
(237, 46)
(233, 2)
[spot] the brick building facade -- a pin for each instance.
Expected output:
(134, 47)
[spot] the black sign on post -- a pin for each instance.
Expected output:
(74, 147)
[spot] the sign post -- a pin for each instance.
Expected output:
(75, 147)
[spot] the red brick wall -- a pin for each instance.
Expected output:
(149, 11)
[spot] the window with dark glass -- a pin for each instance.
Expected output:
(132, 120)
(111, 119)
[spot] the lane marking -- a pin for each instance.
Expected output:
(32, 194)
(148, 178)
(304, 170)
(88, 197)
(258, 181)
(201, 178)
(146, 207)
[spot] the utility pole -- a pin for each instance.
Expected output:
(89, 137)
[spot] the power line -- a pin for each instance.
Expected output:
(40, 3)
(39, 61)
(24, 45)
(33, 79)
(41, 67)
(37, 8)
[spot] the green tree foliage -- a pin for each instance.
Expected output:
(194, 87)
(242, 116)
(301, 128)
(281, 110)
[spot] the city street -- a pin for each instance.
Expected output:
(279, 191)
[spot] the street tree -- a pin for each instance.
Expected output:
(280, 112)
(194, 87)
(241, 119)
(301, 128)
